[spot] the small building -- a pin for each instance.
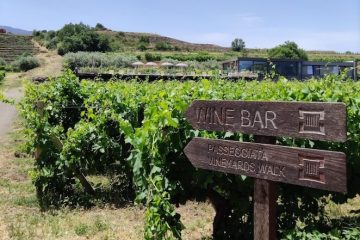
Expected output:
(2, 30)
(293, 69)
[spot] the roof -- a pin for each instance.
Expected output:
(347, 63)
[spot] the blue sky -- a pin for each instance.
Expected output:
(313, 24)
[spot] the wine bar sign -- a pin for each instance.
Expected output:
(263, 160)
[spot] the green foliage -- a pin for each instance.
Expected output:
(120, 34)
(102, 62)
(162, 221)
(339, 58)
(141, 128)
(288, 50)
(25, 63)
(82, 229)
(142, 46)
(99, 26)
(2, 62)
(144, 39)
(238, 45)
(74, 38)
(163, 46)
(334, 234)
(96, 59)
(52, 43)
(152, 57)
(199, 57)
(2, 76)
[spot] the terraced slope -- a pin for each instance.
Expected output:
(12, 46)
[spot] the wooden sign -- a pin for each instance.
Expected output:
(305, 167)
(318, 121)
(269, 162)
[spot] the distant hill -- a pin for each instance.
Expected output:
(138, 42)
(16, 31)
(131, 39)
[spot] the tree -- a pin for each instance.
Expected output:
(288, 50)
(80, 37)
(99, 26)
(238, 44)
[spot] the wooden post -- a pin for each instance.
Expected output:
(265, 196)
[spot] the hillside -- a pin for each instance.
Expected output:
(17, 31)
(12, 46)
(81, 37)
(131, 40)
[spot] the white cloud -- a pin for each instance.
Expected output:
(250, 18)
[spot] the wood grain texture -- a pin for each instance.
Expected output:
(305, 167)
(265, 226)
(265, 196)
(310, 120)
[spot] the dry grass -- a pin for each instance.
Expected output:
(350, 208)
(51, 64)
(21, 217)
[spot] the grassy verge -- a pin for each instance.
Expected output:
(21, 217)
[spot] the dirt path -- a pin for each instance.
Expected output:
(51, 65)
(8, 113)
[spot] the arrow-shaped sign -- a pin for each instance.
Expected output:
(305, 167)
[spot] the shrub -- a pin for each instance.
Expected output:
(142, 46)
(144, 39)
(120, 34)
(52, 43)
(2, 62)
(99, 26)
(163, 46)
(199, 56)
(2, 75)
(73, 38)
(97, 59)
(36, 33)
(25, 63)
(152, 57)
